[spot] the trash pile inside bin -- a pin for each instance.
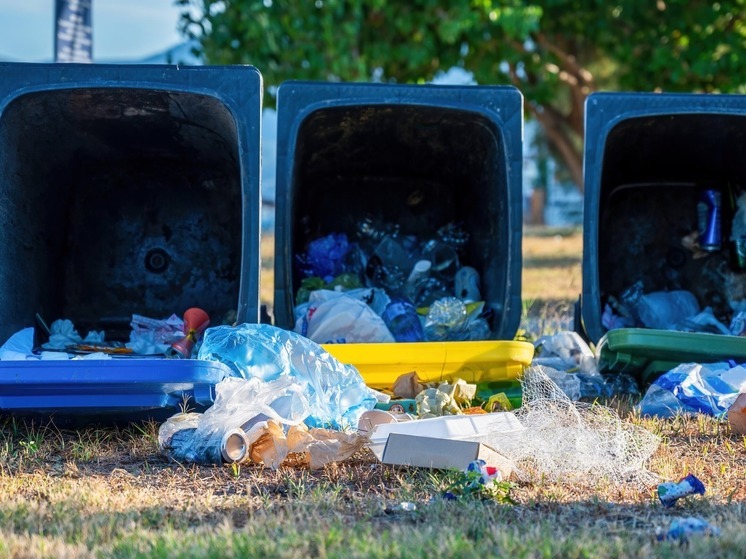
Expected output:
(384, 285)
(671, 259)
(151, 337)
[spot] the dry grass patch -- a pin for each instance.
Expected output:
(121, 503)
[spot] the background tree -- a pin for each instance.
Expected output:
(555, 51)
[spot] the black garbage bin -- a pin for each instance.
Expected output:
(128, 190)
(418, 156)
(661, 170)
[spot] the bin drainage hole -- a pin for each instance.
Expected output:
(156, 260)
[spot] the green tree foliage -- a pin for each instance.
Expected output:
(556, 52)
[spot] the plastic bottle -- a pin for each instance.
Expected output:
(389, 265)
(403, 321)
(467, 285)
(445, 317)
(444, 259)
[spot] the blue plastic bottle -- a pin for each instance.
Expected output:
(403, 321)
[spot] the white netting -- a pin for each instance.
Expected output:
(573, 441)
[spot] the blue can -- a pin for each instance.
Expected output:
(708, 220)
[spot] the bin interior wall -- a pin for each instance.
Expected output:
(419, 167)
(654, 168)
(118, 201)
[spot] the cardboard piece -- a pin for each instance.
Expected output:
(449, 427)
(737, 415)
(429, 452)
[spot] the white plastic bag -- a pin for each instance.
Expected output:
(335, 317)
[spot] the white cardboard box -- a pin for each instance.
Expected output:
(429, 452)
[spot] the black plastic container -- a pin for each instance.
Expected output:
(128, 189)
(418, 156)
(648, 160)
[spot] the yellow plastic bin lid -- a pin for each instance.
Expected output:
(475, 362)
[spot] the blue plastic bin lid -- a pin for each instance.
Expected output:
(125, 388)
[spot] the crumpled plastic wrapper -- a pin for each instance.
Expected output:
(312, 448)
(63, 334)
(446, 399)
(151, 336)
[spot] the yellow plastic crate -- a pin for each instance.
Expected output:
(475, 362)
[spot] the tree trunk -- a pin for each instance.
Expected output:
(538, 203)
(559, 137)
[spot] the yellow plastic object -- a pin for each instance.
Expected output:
(482, 361)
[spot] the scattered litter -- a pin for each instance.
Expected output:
(670, 492)
(325, 256)
(335, 393)
(407, 386)
(694, 388)
(404, 506)
(196, 322)
(572, 442)
(441, 438)
(682, 529)
(440, 453)
(446, 399)
(63, 334)
(569, 362)
(565, 351)
(255, 420)
(479, 479)
(433, 296)
(152, 336)
(737, 415)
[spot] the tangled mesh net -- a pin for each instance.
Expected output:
(568, 441)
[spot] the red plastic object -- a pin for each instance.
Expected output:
(196, 322)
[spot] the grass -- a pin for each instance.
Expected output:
(110, 493)
(99, 492)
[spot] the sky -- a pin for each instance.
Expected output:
(122, 29)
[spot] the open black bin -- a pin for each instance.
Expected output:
(128, 189)
(649, 159)
(419, 156)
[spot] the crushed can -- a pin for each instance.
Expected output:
(709, 216)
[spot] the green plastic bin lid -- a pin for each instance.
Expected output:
(648, 353)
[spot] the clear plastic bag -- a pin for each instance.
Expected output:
(336, 393)
(239, 404)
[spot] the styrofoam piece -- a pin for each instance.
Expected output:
(452, 427)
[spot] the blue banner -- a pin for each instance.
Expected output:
(73, 31)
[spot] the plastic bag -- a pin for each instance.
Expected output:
(239, 404)
(694, 388)
(63, 334)
(666, 310)
(565, 351)
(337, 317)
(324, 257)
(335, 392)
